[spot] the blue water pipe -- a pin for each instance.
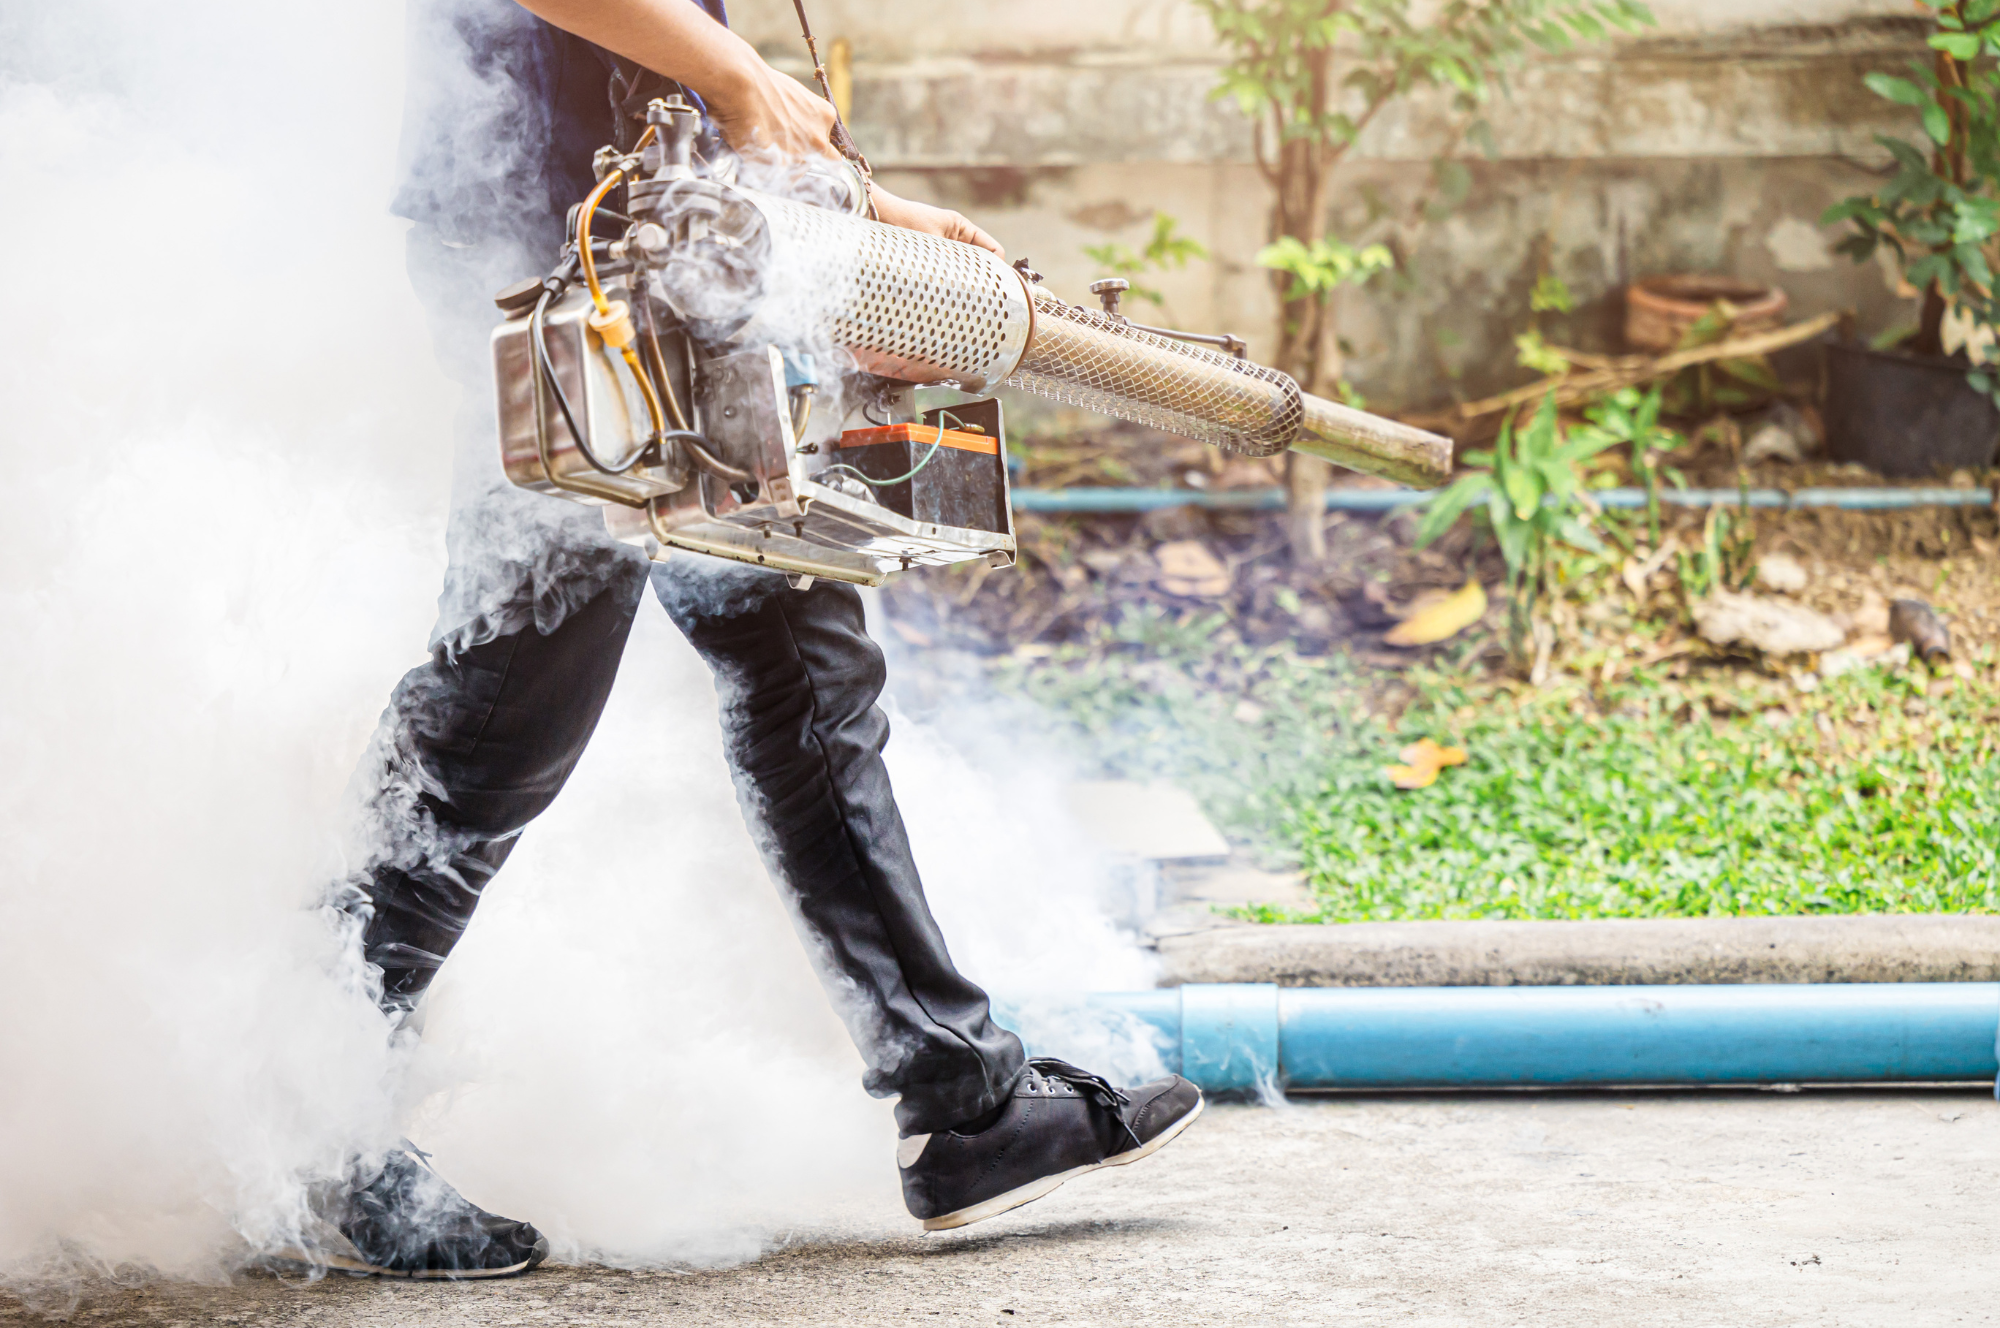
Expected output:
(1238, 1036)
(1105, 499)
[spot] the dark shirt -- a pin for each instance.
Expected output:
(502, 112)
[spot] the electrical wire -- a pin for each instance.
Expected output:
(802, 416)
(538, 336)
(697, 446)
(659, 359)
(694, 444)
(911, 474)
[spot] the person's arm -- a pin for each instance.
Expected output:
(755, 106)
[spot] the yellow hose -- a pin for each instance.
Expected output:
(613, 323)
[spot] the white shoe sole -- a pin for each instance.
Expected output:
(1035, 1189)
(336, 1263)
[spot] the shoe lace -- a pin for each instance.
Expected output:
(1093, 1086)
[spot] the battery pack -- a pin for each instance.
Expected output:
(947, 470)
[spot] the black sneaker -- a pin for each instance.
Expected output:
(406, 1222)
(1060, 1123)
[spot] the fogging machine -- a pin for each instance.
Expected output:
(670, 374)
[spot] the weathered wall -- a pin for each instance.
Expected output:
(1713, 142)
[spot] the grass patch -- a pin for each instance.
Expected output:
(1873, 793)
(1866, 796)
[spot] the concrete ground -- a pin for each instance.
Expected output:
(1818, 1207)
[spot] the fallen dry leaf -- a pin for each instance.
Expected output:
(1426, 750)
(1424, 758)
(1637, 571)
(1442, 618)
(1188, 568)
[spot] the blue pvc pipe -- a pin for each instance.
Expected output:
(1386, 500)
(1234, 1036)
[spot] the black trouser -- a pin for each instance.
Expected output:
(480, 740)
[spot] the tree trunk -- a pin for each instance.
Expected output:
(1307, 477)
(1305, 507)
(1300, 212)
(1930, 324)
(1949, 161)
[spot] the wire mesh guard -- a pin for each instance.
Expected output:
(1084, 358)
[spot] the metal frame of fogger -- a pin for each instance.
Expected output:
(665, 374)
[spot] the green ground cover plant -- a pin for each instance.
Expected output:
(1874, 792)
(1867, 795)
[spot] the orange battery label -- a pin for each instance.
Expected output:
(923, 435)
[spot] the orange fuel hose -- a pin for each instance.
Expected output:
(612, 326)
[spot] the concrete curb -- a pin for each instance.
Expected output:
(1916, 947)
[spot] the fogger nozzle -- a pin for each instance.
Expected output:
(1092, 360)
(924, 309)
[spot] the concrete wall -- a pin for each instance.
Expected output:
(1710, 143)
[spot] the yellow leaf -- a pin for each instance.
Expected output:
(1441, 620)
(1412, 776)
(1426, 752)
(1425, 758)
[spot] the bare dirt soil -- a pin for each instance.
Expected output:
(1081, 575)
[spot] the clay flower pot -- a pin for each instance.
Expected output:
(1660, 310)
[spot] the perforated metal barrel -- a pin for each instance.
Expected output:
(926, 310)
(905, 305)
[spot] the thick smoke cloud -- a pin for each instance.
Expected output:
(229, 457)
(216, 540)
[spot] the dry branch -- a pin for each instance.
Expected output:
(1626, 371)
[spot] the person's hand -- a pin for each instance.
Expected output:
(930, 220)
(765, 113)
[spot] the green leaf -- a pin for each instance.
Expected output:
(1543, 432)
(1585, 26)
(1931, 267)
(1899, 90)
(1978, 221)
(1511, 534)
(1551, 294)
(1480, 135)
(1937, 124)
(1532, 353)
(1755, 371)
(1890, 338)
(1847, 209)
(1454, 182)
(1973, 262)
(1447, 506)
(1571, 530)
(1584, 444)
(1908, 156)
(1558, 476)
(1649, 414)
(1524, 490)
(1957, 45)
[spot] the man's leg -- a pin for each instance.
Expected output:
(476, 743)
(798, 679)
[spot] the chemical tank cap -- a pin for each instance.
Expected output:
(520, 297)
(1108, 290)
